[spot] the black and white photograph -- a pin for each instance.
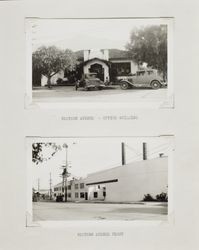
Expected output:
(99, 179)
(114, 60)
(99, 125)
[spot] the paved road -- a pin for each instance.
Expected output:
(115, 94)
(54, 211)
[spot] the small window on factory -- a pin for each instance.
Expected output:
(95, 194)
(76, 195)
(81, 195)
(81, 185)
(76, 186)
(69, 195)
(69, 187)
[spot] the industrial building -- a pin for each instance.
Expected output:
(125, 183)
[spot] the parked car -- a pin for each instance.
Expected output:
(65, 81)
(142, 78)
(90, 81)
(59, 198)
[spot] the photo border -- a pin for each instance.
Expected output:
(96, 223)
(167, 103)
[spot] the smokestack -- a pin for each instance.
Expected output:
(123, 154)
(144, 151)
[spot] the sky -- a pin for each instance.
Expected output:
(78, 34)
(91, 155)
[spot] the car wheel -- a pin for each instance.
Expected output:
(155, 85)
(124, 85)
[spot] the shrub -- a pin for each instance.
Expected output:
(148, 197)
(59, 81)
(163, 197)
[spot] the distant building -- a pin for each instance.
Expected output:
(126, 183)
(41, 194)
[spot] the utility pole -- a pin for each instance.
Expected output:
(144, 151)
(65, 173)
(123, 154)
(50, 182)
(38, 185)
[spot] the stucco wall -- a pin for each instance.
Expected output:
(53, 78)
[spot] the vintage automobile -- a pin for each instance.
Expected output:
(142, 78)
(89, 81)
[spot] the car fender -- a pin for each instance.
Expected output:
(155, 80)
(126, 81)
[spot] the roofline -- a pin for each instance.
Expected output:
(97, 172)
(121, 58)
(96, 58)
(127, 165)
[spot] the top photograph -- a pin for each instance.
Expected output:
(123, 62)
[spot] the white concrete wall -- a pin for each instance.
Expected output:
(134, 180)
(134, 67)
(54, 78)
(78, 190)
(92, 189)
(105, 54)
(86, 55)
(96, 53)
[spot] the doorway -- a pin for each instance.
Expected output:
(86, 196)
(98, 69)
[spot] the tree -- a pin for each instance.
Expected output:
(51, 60)
(37, 151)
(149, 44)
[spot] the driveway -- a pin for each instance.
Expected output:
(113, 94)
(55, 211)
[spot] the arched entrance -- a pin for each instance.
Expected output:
(97, 66)
(98, 69)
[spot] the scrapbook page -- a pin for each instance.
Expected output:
(99, 125)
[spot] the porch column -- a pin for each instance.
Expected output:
(86, 69)
(106, 73)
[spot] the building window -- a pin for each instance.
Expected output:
(95, 194)
(81, 195)
(76, 195)
(76, 186)
(69, 187)
(81, 185)
(140, 73)
(69, 195)
(121, 69)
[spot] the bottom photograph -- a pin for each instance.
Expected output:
(98, 178)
